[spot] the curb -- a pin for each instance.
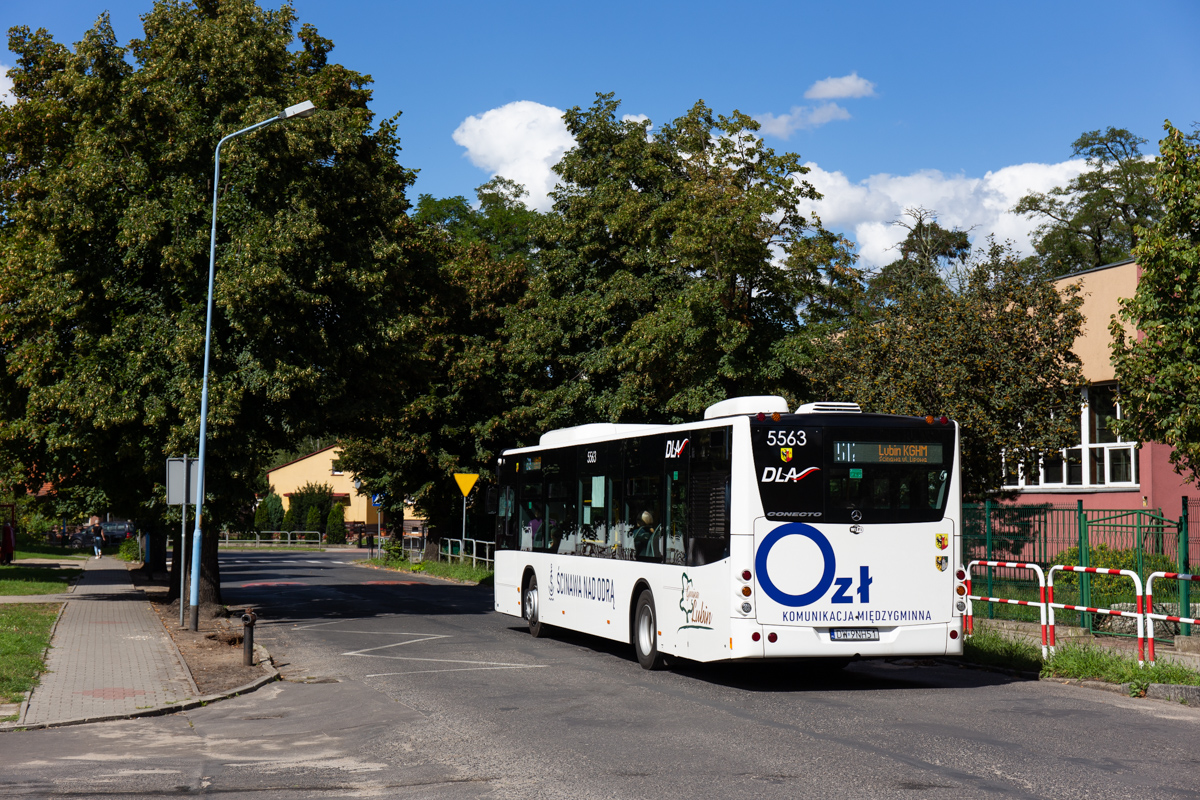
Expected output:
(267, 664)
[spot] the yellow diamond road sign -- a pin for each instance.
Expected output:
(465, 481)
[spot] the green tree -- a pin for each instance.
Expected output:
(105, 195)
(315, 520)
(289, 520)
(1159, 369)
(271, 509)
(262, 518)
(674, 271)
(1094, 219)
(335, 524)
(501, 222)
(992, 351)
(310, 506)
(457, 422)
(929, 255)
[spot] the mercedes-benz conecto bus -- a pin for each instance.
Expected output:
(756, 533)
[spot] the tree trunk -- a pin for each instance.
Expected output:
(210, 570)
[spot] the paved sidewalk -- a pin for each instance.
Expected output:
(109, 655)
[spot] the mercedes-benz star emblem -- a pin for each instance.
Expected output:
(856, 515)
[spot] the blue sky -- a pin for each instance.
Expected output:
(958, 107)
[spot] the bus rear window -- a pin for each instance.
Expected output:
(893, 472)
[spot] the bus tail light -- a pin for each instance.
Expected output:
(746, 608)
(746, 575)
(960, 590)
(953, 633)
(961, 575)
(772, 637)
(755, 636)
(745, 591)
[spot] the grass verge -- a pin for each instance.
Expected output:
(990, 648)
(1074, 661)
(35, 580)
(24, 635)
(463, 573)
(1087, 662)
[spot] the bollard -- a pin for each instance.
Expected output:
(248, 620)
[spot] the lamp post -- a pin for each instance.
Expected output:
(300, 110)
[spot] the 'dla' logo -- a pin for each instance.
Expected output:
(674, 448)
(780, 475)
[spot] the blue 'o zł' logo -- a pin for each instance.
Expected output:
(764, 578)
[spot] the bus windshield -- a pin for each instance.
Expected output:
(898, 471)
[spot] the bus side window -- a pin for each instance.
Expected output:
(558, 468)
(645, 534)
(506, 522)
(677, 506)
(707, 538)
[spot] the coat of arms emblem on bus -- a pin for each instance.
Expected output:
(695, 614)
(785, 453)
(941, 562)
(942, 540)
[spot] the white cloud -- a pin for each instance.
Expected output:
(799, 117)
(846, 86)
(865, 210)
(634, 118)
(6, 84)
(520, 141)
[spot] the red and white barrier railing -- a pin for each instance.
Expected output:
(1151, 616)
(1040, 605)
(1138, 614)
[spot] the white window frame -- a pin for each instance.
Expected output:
(1087, 450)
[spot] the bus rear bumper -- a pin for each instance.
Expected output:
(930, 639)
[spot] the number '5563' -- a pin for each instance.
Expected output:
(787, 438)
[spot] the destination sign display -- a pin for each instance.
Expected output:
(887, 453)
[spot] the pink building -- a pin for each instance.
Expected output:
(1103, 471)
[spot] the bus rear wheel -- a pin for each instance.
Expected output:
(530, 610)
(645, 633)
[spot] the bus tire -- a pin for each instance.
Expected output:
(645, 633)
(531, 610)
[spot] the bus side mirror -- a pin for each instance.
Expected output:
(492, 501)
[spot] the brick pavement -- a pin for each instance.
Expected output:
(109, 655)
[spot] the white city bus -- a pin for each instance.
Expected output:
(757, 533)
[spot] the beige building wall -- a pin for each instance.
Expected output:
(318, 468)
(1102, 289)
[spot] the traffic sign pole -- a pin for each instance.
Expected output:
(465, 481)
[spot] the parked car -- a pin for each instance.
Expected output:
(80, 537)
(117, 531)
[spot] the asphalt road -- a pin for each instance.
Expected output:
(402, 686)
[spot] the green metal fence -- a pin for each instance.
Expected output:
(1142, 540)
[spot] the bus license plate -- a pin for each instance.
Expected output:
(854, 634)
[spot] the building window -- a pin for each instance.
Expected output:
(1102, 458)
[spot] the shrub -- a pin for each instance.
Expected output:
(335, 524)
(393, 549)
(129, 550)
(312, 521)
(310, 495)
(1104, 556)
(289, 520)
(274, 512)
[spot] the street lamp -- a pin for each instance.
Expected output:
(298, 111)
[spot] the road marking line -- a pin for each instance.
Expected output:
(451, 661)
(422, 638)
(336, 621)
(456, 669)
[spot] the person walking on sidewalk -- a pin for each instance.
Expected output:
(97, 537)
(8, 544)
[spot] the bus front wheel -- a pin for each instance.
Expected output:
(529, 609)
(645, 633)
